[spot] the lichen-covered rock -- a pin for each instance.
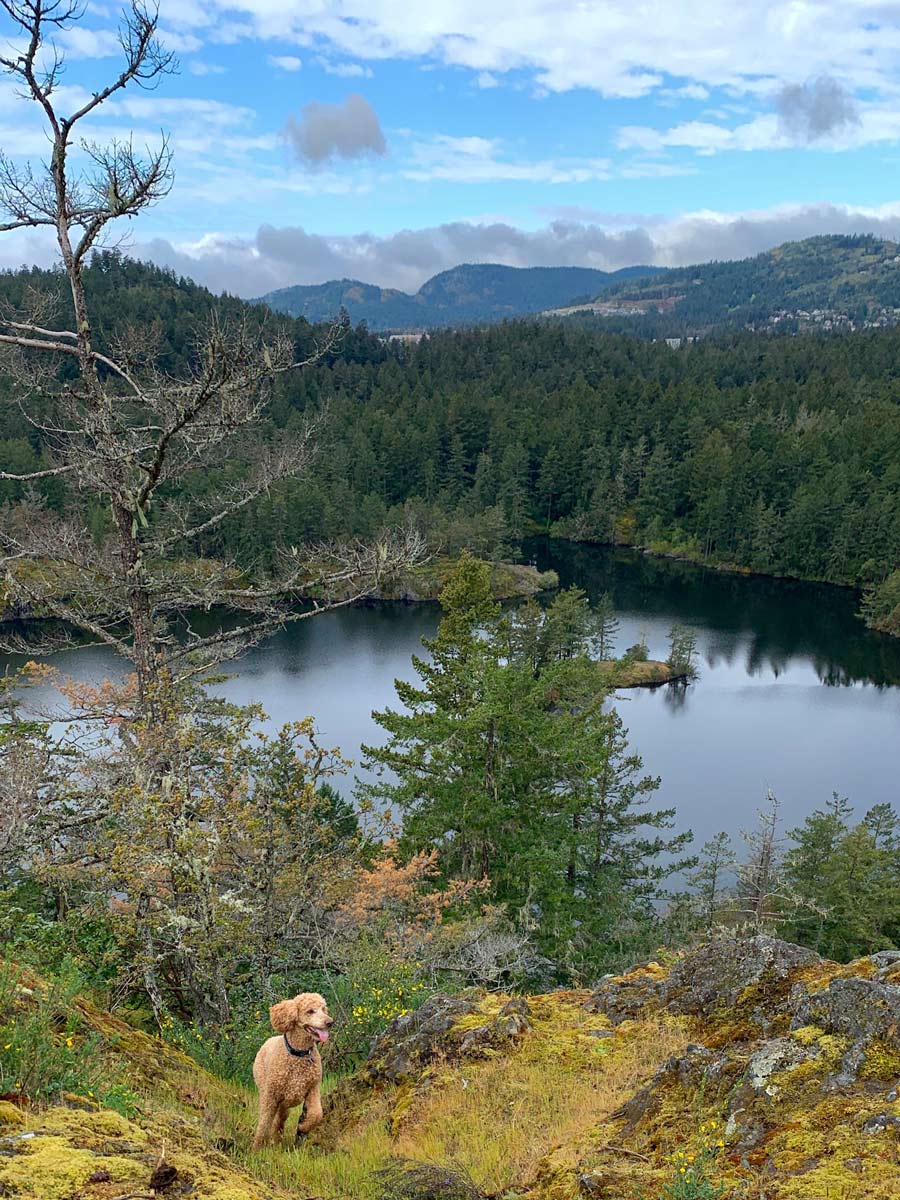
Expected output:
(511, 1022)
(773, 1057)
(415, 1039)
(443, 1027)
(860, 1009)
(688, 1069)
(884, 960)
(624, 997)
(67, 1154)
(881, 1122)
(720, 973)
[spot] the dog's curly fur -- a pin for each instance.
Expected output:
(283, 1079)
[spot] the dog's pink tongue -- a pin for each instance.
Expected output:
(321, 1034)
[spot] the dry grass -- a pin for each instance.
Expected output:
(649, 673)
(501, 1120)
(497, 1118)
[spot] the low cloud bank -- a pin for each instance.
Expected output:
(279, 257)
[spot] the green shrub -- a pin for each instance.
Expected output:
(46, 1049)
(225, 1050)
(370, 989)
(373, 989)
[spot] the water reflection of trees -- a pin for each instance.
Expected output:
(675, 695)
(774, 623)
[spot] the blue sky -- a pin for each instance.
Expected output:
(385, 141)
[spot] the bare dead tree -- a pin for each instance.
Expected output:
(126, 431)
(761, 892)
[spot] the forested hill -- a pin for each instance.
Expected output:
(169, 309)
(466, 295)
(832, 282)
(778, 454)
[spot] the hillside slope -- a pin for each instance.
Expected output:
(468, 294)
(80, 1150)
(830, 282)
(752, 1068)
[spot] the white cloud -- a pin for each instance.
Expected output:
(483, 160)
(79, 42)
(607, 46)
(864, 124)
(200, 68)
(178, 110)
(285, 62)
(344, 70)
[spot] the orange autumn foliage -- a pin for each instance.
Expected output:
(398, 891)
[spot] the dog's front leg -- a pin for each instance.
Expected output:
(311, 1115)
(267, 1113)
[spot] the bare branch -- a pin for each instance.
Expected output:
(30, 476)
(145, 59)
(45, 342)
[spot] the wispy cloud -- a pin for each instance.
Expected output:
(285, 62)
(483, 160)
(200, 68)
(344, 70)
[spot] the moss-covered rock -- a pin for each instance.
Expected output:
(728, 971)
(752, 1063)
(64, 1154)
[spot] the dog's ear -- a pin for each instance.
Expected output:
(283, 1015)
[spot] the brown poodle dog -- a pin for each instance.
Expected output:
(288, 1069)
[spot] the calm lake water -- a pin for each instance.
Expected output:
(794, 693)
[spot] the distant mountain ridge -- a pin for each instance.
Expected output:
(473, 293)
(830, 282)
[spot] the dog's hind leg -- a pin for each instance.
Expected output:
(278, 1124)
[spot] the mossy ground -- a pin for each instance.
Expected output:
(555, 1114)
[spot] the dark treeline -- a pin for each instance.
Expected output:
(777, 454)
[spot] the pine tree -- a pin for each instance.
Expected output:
(607, 626)
(710, 877)
(682, 651)
(846, 880)
(507, 761)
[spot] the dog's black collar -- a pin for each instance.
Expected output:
(298, 1053)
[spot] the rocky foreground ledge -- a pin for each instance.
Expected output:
(778, 1067)
(775, 1068)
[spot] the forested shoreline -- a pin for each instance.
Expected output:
(778, 455)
